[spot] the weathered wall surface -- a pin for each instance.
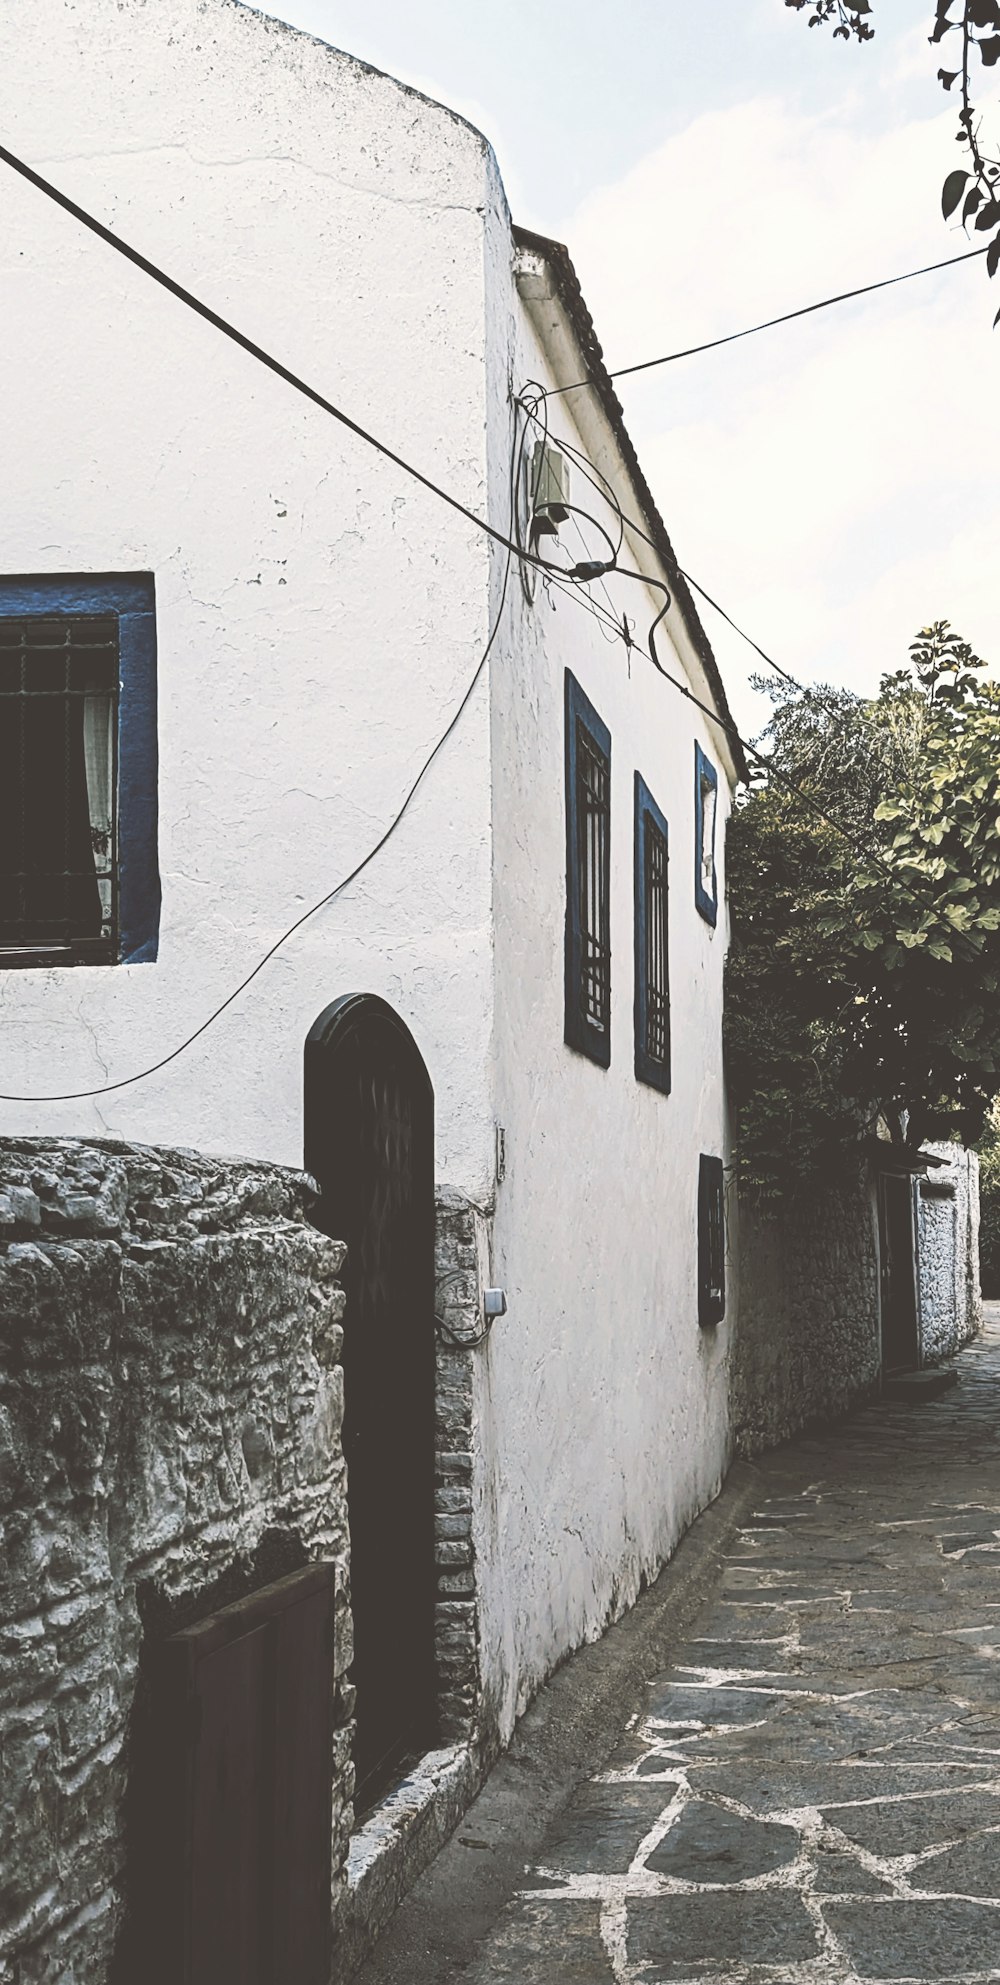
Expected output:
(951, 1311)
(170, 1403)
(601, 1406)
(319, 615)
(807, 1342)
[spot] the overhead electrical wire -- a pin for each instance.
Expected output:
(762, 759)
(128, 1081)
(569, 579)
(769, 323)
(256, 351)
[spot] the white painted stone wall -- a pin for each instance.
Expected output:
(318, 619)
(602, 1405)
(318, 614)
(948, 1247)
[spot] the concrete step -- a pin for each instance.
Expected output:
(912, 1388)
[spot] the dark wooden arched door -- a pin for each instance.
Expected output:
(369, 1143)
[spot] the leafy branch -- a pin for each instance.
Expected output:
(974, 187)
(863, 982)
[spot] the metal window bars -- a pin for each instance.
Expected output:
(58, 788)
(657, 999)
(593, 846)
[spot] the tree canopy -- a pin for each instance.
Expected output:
(863, 981)
(975, 186)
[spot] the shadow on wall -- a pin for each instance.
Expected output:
(807, 1336)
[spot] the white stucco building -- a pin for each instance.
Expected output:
(293, 622)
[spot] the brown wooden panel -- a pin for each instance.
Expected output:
(253, 1609)
(244, 1722)
(229, 1842)
(302, 1810)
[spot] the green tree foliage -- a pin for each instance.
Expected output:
(864, 873)
(972, 29)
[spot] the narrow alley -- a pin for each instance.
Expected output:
(813, 1790)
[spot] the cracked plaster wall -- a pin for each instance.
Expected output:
(170, 1403)
(318, 614)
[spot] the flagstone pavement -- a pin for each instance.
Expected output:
(813, 1792)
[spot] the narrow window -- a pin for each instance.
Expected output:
(78, 874)
(706, 792)
(711, 1243)
(652, 986)
(588, 877)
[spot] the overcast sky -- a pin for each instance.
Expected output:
(832, 482)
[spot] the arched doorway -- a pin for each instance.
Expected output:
(369, 1143)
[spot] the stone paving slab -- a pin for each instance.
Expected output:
(811, 1795)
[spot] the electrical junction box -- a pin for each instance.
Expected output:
(548, 483)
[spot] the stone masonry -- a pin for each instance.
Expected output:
(459, 1242)
(170, 1405)
(807, 1336)
(807, 1343)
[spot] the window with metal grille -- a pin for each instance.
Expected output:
(78, 870)
(706, 794)
(711, 1242)
(588, 877)
(652, 985)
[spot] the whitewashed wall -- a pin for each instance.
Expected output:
(948, 1253)
(318, 620)
(602, 1405)
(318, 614)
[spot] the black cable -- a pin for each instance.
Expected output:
(760, 758)
(845, 296)
(958, 938)
(858, 847)
(246, 344)
(127, 1081)
(623, 519)
(554, 573)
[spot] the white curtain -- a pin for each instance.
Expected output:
(708, 801)
(99, 763)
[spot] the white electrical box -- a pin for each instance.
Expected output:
(548, 482)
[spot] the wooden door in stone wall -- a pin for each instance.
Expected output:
(898, 1273)
(243, 1791)
(369, 1143)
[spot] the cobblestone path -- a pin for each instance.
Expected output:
(813, 1792)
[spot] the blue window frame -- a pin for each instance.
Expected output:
(711, 1243)
(588, 877)
(79, 876)
(652, 976)
(706, 797)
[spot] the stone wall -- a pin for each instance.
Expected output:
(460, 1242)
(170, 1404)
(411, 1824)
(948, 1240)
(807, 1341)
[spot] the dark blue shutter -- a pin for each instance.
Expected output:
(652, 984)
(711, 1242)
(588, 877)
(706, 786)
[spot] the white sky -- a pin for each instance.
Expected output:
(832, 483)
